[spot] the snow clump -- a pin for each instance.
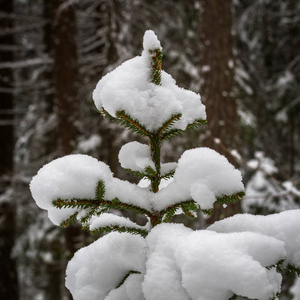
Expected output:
(128, 88)
(175, 262)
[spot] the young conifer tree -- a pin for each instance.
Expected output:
(237, 256)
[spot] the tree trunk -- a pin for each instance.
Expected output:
(65, 71)
(63, 24)
(8, 270)
(217, 82)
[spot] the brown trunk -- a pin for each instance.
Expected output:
(8, 271)
(217, 79)
(65, 71)
(63, 25)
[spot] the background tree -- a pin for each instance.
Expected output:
(266, 69)
(217, 88)
(8, 271)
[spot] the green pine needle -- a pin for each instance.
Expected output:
(121, 229)
(156, 60)
(93, 212)
(208, 212)
(196, 124)
(105, 114)
(168, 175)
(167, 214)
(187, 210)
(167, 135)
(135, 173)
(75, 203)
(100, 190)
(231, 198)
(169, 123)
(170, 214)
(292, 270)
(283, 268)
(68, 221)
(130, 123)
(171, 133)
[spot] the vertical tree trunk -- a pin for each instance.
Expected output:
(65, 71)
(63, 24)
(8, 272)
(217, 80)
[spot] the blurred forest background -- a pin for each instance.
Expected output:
(242, 56)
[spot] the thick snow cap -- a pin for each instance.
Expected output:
(129, 88)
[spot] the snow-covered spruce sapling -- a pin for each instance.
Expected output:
(237, 256)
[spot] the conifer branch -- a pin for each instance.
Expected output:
(100, 190)
(292, 270)
(109, 204)
(231, 198)
(175, 132)
(168, 175)
(171, 133)
(187, 209)
(170, 214)
(94, 211)
(208, 212)
(136, 173)
(75, 203)
(126, 276)
(167, 214)
(105, 114)
(166, 125)
(117, 204)
(69, 220)
(150, 171)
(194, 125)
(156, 60)
(121, 229)
(132, 124)
(155, 144)
(101, 205)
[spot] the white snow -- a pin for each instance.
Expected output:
(135, 156)
(130, 290)
(129, 88)
(173, 261)
(186, 264)
(100, 267)
(283, 226)
(295, 290)
(67, 177)
(107, 219)
(150, 41)
(177, 263)
(76, 176)
(203, 175)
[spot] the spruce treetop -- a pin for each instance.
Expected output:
(161, 260)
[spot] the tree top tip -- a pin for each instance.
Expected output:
(150, 41)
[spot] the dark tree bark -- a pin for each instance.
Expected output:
(65, 71)
(65, 58)
(217, 81)
(8, 271)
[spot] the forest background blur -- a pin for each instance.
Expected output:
(241, 56)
